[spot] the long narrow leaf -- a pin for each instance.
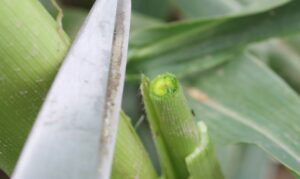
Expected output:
(204, 9)
(32, 47)
(131, 159)
(191, 42)
(250, 104)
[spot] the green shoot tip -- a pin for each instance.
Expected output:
(163, 85)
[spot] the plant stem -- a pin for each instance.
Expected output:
(187, 147)
(165, 162)
(175, 120)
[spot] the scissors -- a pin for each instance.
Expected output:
(75, 132)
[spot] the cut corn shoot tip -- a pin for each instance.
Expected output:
(163, 85)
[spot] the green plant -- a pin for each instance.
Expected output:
(240, 82)
(184, 146)
(131, 159)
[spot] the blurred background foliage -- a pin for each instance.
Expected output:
(217, 18)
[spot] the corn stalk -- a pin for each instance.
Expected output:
(184, 147)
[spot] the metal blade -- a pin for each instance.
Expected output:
(74, 134)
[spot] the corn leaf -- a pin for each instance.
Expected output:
(32, 47)
(131, 159)
(282, 55)
(254, 164)
(203, 9)
(141, 22)
(155, 8)
(184, 47)
(245, 161)
(244, 101)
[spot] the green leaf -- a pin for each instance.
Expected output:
(31, 50)
(245, 161)
(77, 3)
(293, 40)
(131, 159)
(254, 164)
(49, 6)
(154, 8)
(244, 101)
(170, 46)
(204, 9)
(140, 22)
(282, 55)
(73, 19)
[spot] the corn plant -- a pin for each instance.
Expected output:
(223, 101)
